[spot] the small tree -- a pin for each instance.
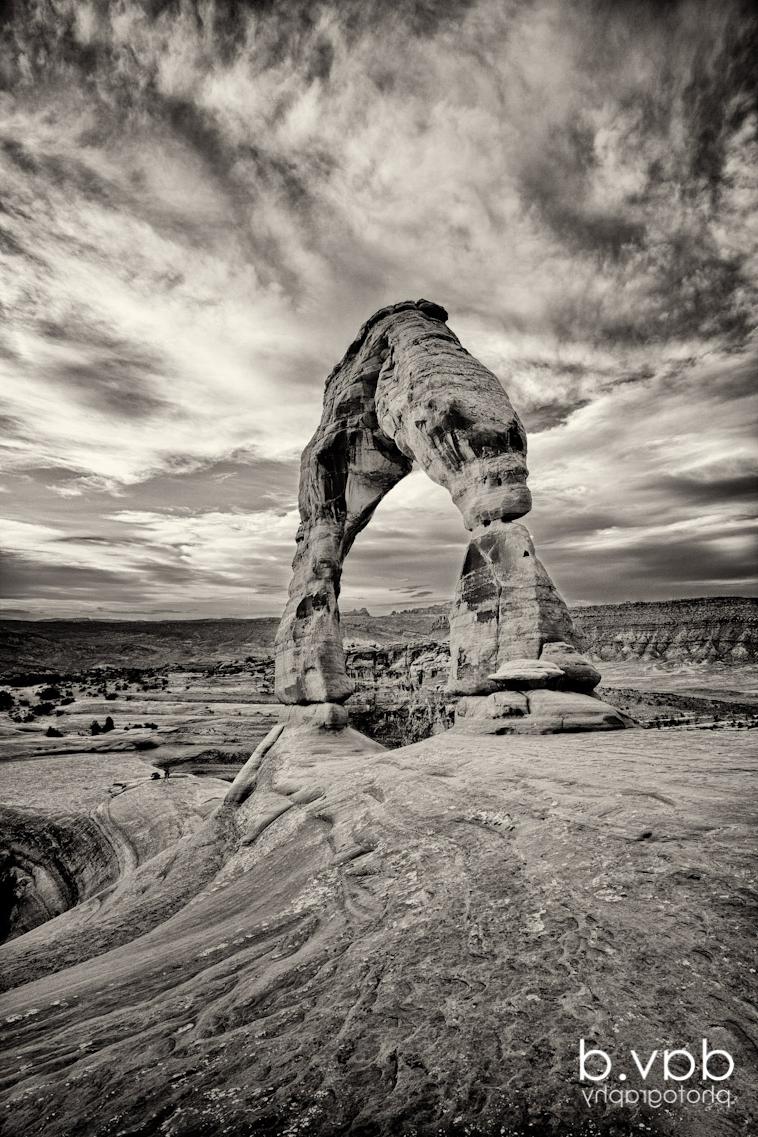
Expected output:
(108, 724)
(94, 727)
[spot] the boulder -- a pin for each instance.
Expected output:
(501, 705)
(578, 673)
(555, 711)
(536, 711)
(527, 673)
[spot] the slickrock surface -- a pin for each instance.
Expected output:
(410, 941)
(72, 826)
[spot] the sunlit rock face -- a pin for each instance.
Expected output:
(406, 391)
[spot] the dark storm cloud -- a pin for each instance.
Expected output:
(548, 415)
(656, 569)
(117, 383)
(67, 172)
(84, 539)
(719, 491)
(24, 578)
(10, 245)
(555, 180)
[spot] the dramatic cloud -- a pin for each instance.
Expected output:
(201, 201)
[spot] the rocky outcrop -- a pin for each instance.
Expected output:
(715, 629)
(407, 391)
(706, 630)
(400, 692)
(536, 711)
(400, 668)
(49, 864)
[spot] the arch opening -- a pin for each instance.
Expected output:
(410, 554)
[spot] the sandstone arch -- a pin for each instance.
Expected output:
(406, 390)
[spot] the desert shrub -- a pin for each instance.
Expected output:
(6, 701)
(146, 744)
(43, 709)
(108, 724)
(111, 696)
(94, 727)
(50, 692)
(51, 732)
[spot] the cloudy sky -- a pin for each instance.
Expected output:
(201, 201)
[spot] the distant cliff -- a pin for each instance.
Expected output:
(721, 630)
(400, 686)
(709, 630)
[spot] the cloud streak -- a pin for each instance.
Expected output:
(201, 201)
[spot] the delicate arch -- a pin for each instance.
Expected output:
(405, 390)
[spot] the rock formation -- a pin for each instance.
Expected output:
(60, 850)
(370, 942)
(707, 630)
(405, 391)
(505, 608)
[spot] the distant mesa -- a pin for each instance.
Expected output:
(407, 391)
